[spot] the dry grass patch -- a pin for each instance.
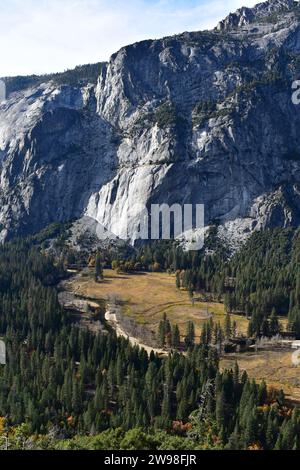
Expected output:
(147, 296)
(275, 367)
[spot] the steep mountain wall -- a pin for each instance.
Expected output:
(203, 117)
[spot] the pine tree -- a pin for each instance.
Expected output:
(178, 282)
(190, 335)
(175, 337)
(236, 374)
(274, 326)
(220, 409)
(227, 326)
(182, 410)
(162, 334)
(250, 430)
(98, 268)
(265, 328)
(262, 393)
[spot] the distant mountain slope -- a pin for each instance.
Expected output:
(81, 75)
(202, 117)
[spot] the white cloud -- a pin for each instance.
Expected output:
(41, 36)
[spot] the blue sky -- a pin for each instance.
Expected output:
(43, 36)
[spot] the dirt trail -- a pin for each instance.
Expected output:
(111, 318)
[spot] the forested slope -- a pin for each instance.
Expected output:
(61, 381)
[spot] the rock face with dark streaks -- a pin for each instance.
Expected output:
(203, 117)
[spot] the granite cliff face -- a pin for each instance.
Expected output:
(203, 117)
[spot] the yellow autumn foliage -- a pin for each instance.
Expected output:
(2, 425)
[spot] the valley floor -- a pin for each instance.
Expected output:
(275, 367)
(145, 297)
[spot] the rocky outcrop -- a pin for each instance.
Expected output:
(203, 117)
(270, 11)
